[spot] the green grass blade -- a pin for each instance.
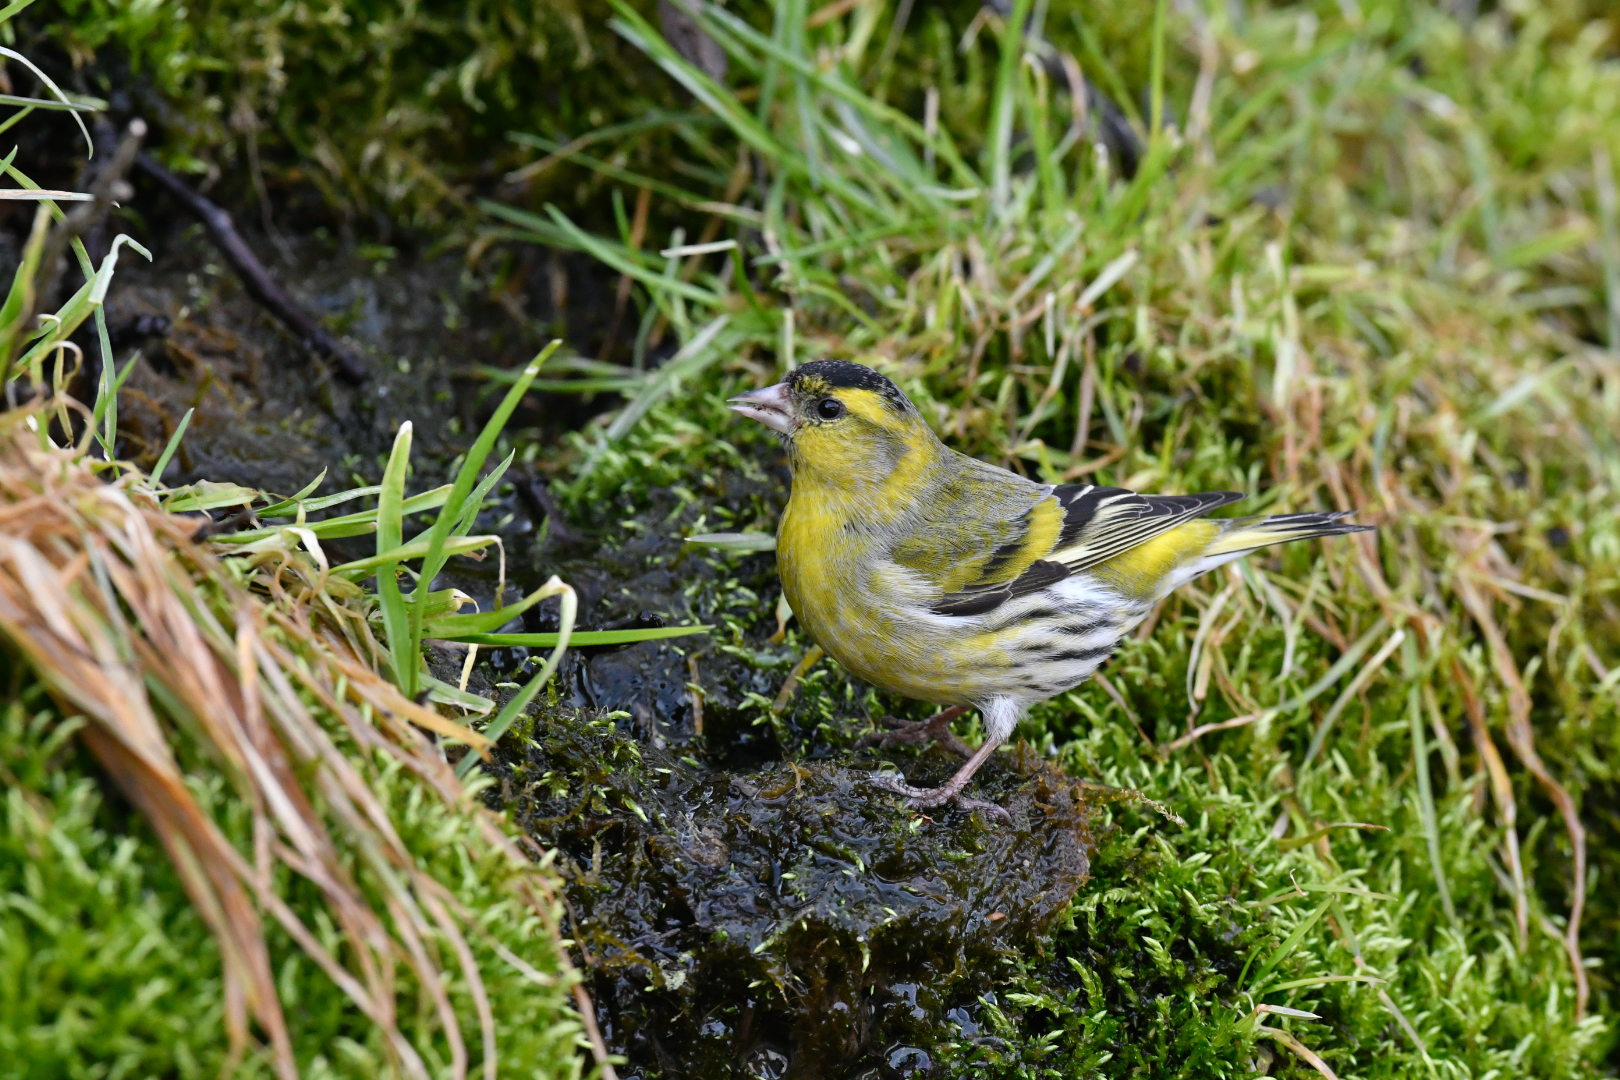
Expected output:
(13, 8)
(1097, 61)
(170, 447)
(22, 280)
(616, 172)
(438, 540)
(415, 549)
(1288, 945)
(391, 535)
(741, 542)
(449, 694)
(104, 414)
(483, 622)
(832, 84)
(717, 98)
(1003, 103)
(1156, 73)
(694, 357)
(1363, 677)
(354, 524)
(609, 254)
(1420, 768)
(292, 501)
(73, 111)
(475, 501)
(520, 701)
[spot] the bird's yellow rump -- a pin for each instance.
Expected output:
(934, 575)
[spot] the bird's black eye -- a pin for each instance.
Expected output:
(829, 408)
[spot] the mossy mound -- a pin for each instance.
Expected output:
(793, 912)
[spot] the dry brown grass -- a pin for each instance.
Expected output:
(261, 669)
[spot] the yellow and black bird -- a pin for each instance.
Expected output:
(943, 578)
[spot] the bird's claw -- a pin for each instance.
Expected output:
(936, 728)
(929, 798)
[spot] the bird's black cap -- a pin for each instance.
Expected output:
(841, 374)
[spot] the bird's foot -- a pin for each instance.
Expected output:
(936, 728)
(945, 794)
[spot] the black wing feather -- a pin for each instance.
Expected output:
(982, 601)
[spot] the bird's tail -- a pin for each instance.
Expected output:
(1246, 534)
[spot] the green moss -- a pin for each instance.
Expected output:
(390, 111)
(107, 970)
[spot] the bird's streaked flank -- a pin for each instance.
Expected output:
(943, 578)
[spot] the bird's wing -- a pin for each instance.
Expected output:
(979, 530)
(1101, 522)
(1093, 525)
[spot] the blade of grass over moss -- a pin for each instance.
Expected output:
(390, 536)
(1420, 766)
(1356, 685)
(438, 539)
(171, 446)
(521, 700)
(1282, 951)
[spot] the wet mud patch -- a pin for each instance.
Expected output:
(425, 327)
(793, 920)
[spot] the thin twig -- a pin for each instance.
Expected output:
(222, 231)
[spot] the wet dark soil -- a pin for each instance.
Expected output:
(748, 902)
(427, 329)
(789, 920)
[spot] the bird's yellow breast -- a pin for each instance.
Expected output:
(848, 597)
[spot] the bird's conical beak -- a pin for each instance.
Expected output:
(770, 406)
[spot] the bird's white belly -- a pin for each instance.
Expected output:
(1029, 650)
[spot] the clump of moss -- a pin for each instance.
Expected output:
(105, 964)
(363, 916)
(394, 114)
(785, 910)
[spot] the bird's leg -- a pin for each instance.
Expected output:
(936, 728)
(951, 790)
